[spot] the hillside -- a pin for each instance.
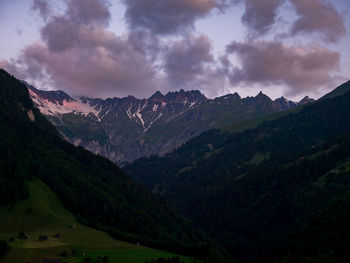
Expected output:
(42, 214)
(341, 90)
(94, 189)
(259, 192)
(124, 129)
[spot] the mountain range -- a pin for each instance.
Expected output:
(125, 129)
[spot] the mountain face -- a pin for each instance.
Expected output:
(277, 193)
(124, 129)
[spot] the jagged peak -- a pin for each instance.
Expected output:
(130, 97)
(182, 96)
(157, 94)
(157, 97)
(305, 100)
(260, 94)
(234, 96)
(197, 92)
(282, 99)
(55, 96)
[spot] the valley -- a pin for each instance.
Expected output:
(42, 214)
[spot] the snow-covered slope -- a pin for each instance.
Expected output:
(60, 105)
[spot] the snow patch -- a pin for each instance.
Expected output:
(139, 115)
(144, 105)
(155, 107)
(47, 107)
(128, 112)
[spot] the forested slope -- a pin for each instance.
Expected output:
(266, 193)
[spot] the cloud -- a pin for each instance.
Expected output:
(42, 7)
(318, 16)
(97, 71)
(88, 11)
(174, 16)
(146, 43)
(61, 34)
(166, 16)
(80, 54)
(300, 69)
(260, 15)
(186, 61)
(82, 19)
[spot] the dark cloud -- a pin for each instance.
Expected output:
(166, 16)
(260, 15)
(146, 43)
(174, 16)
(300, 69)
(82, 18)
(61, 34)
(186, 61)
(88, 11)
(318, 16)
(42, 7)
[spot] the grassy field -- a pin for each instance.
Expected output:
(43, 215)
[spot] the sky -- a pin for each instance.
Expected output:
(116, 48)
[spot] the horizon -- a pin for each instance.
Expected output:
(179, 91)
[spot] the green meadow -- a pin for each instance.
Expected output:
(43, 215)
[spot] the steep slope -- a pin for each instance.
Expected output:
(42, 214)
(124, 129)
(266, 193)
(341, 90)
(94, 189)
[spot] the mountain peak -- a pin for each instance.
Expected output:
(261, 94)
(157, 97)
(305, 100)
(236, 95)
(283, 98)
(56, 97)
(157, 94)
(185, 96)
